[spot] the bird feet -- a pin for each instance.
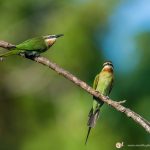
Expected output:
(107, 97)
(97, 92)
(30, 55)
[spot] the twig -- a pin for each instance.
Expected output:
(6, 45)
(116, 105)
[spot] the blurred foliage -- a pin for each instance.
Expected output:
(41, 110)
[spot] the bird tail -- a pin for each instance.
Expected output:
(93, 116)
(88, 133)
(12, 52)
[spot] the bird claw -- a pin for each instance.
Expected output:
(107, 98)
(97, 92)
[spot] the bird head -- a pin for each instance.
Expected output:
(51, 39)
(108, 66)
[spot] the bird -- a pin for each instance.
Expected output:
(33, 47)
(103, 83)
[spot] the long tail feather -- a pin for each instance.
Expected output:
(93, 116)
(13, 52)
(88, 133)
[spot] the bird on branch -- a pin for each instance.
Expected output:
(33, 47)
(103, 83)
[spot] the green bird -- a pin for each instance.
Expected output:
(103, 83)
(33, 47)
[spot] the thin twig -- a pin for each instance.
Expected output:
(116, 105)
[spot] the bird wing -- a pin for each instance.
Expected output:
(95, 81)
(34, 44)
(111, 85)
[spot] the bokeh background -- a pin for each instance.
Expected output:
(39, 109)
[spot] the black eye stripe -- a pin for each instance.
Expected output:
(49, 36)
(107, 63)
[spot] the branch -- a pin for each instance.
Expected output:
(6, 45)
(116, 105)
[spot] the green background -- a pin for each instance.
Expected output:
(41, 110)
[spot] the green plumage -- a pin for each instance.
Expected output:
(103, 84)
(34, 46)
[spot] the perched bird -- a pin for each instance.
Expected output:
(33, 47)
(103, 83)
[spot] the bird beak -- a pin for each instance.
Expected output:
(59, 35)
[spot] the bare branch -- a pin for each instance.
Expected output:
(116, 105)
(6, 45)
